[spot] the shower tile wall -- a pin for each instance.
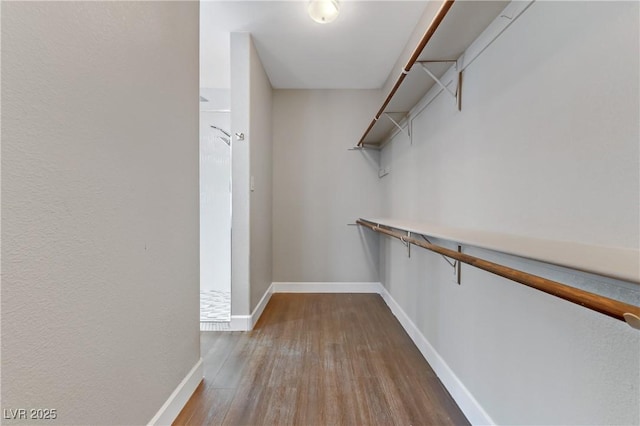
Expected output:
(215, 306)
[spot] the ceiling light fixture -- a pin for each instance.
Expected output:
(324, 11)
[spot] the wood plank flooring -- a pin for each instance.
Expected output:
(319, 359)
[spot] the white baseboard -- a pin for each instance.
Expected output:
(247, 322)
(461, 395)
(257, 312)
(327, 287)
(179, 397)
(240, 323)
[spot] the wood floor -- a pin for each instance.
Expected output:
(319, 359)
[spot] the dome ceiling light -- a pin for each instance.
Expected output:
(324, 11)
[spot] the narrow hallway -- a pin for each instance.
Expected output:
(318, 359)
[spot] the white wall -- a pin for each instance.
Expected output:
(99, 207)
(546, 145)
(215, 69)
(217, 99)
(215, 204)
(261, 143)
(319, 186)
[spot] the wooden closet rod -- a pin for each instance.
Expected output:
(435, 23)
(604, 305)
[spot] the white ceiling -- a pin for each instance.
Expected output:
(356, 51)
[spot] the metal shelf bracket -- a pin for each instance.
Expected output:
(363, 148)
(457, 94)
(455, 264)
(402, 129)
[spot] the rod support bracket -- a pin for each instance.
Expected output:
(457, 267)
(407, 243)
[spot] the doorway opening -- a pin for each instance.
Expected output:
(215, 217)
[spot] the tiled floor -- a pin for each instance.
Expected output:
(215, 326)
(215, 306)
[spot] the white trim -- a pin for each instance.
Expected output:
(324, 287)
(461, 395)
(246, 322)
(179, 397)
(240, 323)
(257, 312)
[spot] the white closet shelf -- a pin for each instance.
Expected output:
(614, 262)
(458, 24)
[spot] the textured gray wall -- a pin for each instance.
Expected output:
(546, 145)
(99, 207)
(319, 186)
